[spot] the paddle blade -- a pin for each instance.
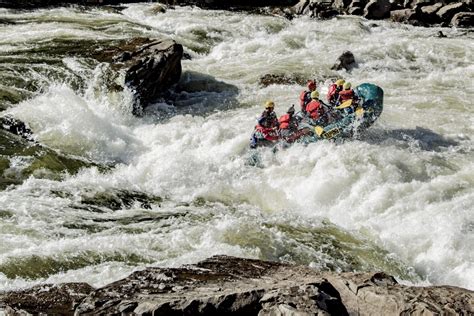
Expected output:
(318, 130)
(344, 104)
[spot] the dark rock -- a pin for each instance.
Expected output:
(404, 15)
(50, 299)
(377, 9)
(440, 34)
(463, 19)
(150, 66)
(355, 11)
(224, 285)
(341, 4)
(15, 126)
(345, 61)
(300, 7)
(447, 12)
(270, 79)
(427, 14)
(232, 4)
(320, 9)
(154, 69)
(31, 4)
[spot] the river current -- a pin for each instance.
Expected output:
(175, 186)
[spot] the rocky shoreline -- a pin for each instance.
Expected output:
(224, 285)
(416, 12)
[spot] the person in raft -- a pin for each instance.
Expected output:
(333, 93)
(305, 96)
(314, 108)
(267, 126)
(288, 123)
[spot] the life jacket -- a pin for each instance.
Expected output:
(268, 120)
(345, 95)
(333, 93)
(305, 98)
(284, 121)
(313, 108)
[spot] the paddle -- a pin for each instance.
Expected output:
(344, 105)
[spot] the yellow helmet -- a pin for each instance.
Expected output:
(340, 82)
(314, 95)
(347, 86)
(269, 104)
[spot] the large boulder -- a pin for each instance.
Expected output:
(148, 67)
(153, 69)
(377, 9)
(224, 285)
(404, 15)
(447, 12)
(345, 61)
(463, 19)
(427, 14)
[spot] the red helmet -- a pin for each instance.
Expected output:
(311, 84)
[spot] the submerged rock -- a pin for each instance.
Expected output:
(270, 79)
(224, 285)
(345, 61)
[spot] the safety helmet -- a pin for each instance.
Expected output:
(269, 104)
(347, 86)
(340, 82)
(311, 84)
(314, 95)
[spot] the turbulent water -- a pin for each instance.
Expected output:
(108, 193)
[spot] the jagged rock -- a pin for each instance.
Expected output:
(356, 7)
(345, 61)
(447, 12)
(355, 11)
(49, 299)
(341, 4)
(463, 19)
(427, 14)
(15, 126)
(377, 9)
(320, 9)
(150, 67)
(31, 4)
(270, 79)
(404, 15)
(219, 4)
(224, 285)
(300, 7)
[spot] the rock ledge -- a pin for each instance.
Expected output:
(235, 286)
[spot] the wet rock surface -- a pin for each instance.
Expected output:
(149, 67)
(227, 285)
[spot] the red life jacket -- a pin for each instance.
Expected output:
(284, 121)
(305, 98)
(332, 92)
(345, 95)
(313, 109)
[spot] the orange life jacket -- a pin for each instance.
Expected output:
(345, 95)
(313, 109)
(284, 121)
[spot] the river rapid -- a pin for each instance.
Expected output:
(175, 186)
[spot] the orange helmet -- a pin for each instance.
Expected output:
(311, 84)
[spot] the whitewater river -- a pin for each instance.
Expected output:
(176, 186)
